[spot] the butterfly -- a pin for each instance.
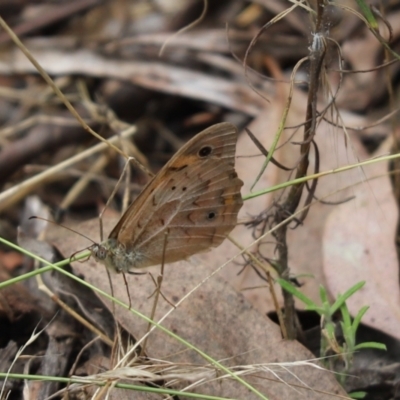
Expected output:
(188, 207)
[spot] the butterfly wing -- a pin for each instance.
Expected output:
(189, 206)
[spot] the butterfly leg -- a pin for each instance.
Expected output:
(157, 292)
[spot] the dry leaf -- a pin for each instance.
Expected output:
(359, 244)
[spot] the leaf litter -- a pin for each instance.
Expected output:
(121, 70)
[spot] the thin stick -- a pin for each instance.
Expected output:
(52, 84)
(15, 193)
(127, 290)
(111, 198)
(157, 292)
(267, 271)
(185, 28)
(82, 183)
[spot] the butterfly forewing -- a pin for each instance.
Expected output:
(195, 199)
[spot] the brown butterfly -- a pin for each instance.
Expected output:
(190, 206)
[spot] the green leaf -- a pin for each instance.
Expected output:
(357, 395)
(295, 292)
(369, 16)
(358, 317)
(342, 298)
(371, 345)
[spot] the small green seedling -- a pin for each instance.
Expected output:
(328, 326)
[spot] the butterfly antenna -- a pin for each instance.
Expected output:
(63, 226)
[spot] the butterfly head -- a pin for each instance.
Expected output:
(99, 252)
(105, 254)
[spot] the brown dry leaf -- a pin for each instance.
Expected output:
(305, 242)
(359, 244)
(214, 318)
